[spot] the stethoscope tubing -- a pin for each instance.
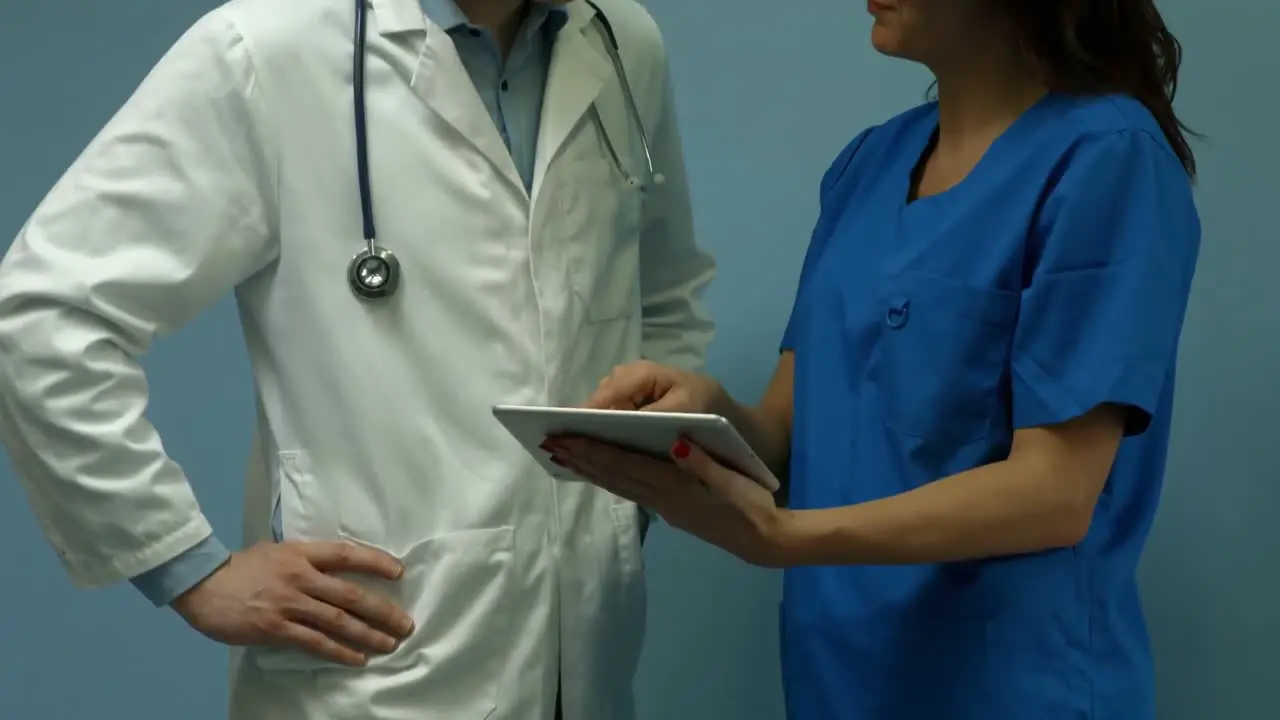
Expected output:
(362, 133)
(371, 250)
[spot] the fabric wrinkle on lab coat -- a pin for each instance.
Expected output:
(232, 166)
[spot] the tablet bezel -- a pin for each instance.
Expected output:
(651, 433)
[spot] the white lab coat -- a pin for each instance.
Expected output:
(232, 166)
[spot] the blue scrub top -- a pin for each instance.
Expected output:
(1053, 279)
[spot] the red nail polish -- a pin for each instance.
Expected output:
(680, 450)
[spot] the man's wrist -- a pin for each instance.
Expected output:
(182, 603)
(163, 584)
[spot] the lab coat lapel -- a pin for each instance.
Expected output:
(442, 82)
(579, 70)
(391, 17)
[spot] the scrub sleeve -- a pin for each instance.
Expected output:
(1113, 261)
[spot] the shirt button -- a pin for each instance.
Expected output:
(896, 316)
(504, 86)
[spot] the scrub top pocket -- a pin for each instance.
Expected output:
(942, 357)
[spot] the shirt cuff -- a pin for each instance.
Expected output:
(162, 585)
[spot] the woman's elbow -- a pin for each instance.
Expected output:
(1069, 520)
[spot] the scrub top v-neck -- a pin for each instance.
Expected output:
(1051, 280)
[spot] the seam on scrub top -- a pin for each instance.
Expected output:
(1049, 380)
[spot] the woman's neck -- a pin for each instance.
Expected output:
(981, 94)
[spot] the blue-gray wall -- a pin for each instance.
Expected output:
(768, 95)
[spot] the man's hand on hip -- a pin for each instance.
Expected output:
(285, 595)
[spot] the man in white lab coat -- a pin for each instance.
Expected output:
(403, 556)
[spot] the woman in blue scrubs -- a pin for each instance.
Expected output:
(972, 402)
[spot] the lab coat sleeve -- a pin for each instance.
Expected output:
(674, 270)
(1111, 261)
(168, 209)
(164, 584)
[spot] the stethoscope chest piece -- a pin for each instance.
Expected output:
(374, 273)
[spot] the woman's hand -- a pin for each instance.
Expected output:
(646, 385)
(692, 492)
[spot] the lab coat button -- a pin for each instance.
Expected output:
(896, 316)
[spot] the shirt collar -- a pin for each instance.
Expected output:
(448, 16)
(556, 16)
(444, 13)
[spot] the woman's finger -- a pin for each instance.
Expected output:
(696, 462)
(620, 483)
(603, 457)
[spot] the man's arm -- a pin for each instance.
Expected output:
(674, 271)
(166, 583)
(166, 210)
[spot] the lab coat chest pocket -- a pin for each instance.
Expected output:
(942, 356)
(597, 224)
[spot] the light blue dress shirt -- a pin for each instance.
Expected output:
(512, 91)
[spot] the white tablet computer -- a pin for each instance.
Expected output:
(652, 433)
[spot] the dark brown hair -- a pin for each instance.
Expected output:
(1107, 46)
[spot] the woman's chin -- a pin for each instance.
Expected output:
(886, 41)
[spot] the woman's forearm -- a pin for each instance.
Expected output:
(766, 432)
(1005, 508)
(766, 426)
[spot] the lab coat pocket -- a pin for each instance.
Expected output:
(599, 226)
(457, 589)
(297, 512)
(629, 605)
(942, 357)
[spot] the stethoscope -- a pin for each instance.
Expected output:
(374, 273)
